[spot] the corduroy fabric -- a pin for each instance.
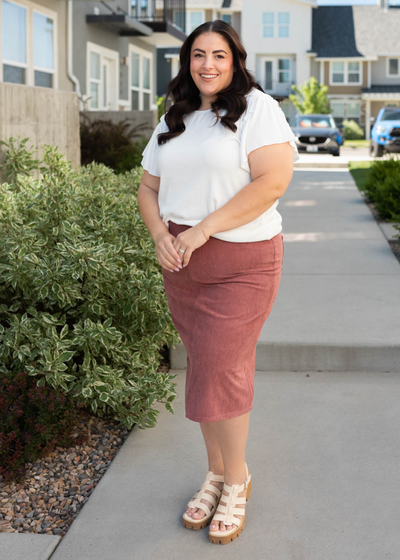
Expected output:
(219, 304)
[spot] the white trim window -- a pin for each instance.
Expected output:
(268, 22)
(140, 79)
(393, 67)
(345, 72)
(194, 19)
(102, 78)
(284, 70)
(28, 44)
(345, 109)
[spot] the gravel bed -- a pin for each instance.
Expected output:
(56, 487)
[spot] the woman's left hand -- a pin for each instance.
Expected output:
(189, 240)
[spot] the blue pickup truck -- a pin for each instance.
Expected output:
(385, 134)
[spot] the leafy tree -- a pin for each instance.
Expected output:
(311, 97)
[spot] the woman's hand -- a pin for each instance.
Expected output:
(189, 240)
(168, 257)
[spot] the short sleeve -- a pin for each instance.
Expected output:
(150, 153)
(264, 123)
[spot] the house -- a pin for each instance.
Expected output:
(277, 35)
(356, 52)
(105, 51)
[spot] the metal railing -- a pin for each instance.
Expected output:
(276, 87)
(172, 11)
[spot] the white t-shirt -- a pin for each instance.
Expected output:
(207, 165)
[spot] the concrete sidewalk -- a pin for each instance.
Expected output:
(338, 303)
(323, 454)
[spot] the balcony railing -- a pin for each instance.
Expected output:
(276, 87)
(171, 11)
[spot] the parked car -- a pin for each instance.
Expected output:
(318, 133)
(385, 134)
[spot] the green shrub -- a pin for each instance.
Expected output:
(103, 141)
(82, 301)
(383, 188)
(33, 420)
(352, 130)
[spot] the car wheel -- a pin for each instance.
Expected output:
(336, 153)
(378, 150)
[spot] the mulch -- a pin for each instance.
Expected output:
(57, 486)
(394, 245)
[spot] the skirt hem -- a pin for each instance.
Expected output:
(222, 416)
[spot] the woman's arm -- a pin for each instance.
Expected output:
(271, 170)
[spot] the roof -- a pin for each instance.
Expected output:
(382, 89)
(354, 31)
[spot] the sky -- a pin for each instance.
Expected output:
(352, 2)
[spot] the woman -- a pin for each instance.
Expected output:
(215, 168)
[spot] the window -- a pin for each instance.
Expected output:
(227, 18)
(194, 19)
(345, 109)
(284, 70)
(43, 50)
(27, 44)
(345, 72)
(140, 79)
(268, 24)
(102, 77)
(283, 24)
(393, 68)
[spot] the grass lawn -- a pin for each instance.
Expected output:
(360, 171)
(356, 144)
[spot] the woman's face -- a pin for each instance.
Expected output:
(211, 64)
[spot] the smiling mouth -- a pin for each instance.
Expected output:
(208, 77)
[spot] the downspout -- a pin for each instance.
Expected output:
(70, 73)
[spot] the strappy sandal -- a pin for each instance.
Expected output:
(201, 494)
(227, 514)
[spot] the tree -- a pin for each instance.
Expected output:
(311, 97)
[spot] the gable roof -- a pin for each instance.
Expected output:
(354, 31)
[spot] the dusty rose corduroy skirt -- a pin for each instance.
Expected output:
(219, 303)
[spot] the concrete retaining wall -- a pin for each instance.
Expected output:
(148, 119)
(45, 116)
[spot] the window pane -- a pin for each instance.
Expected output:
(43, 79)
(354, 78)
(338, 66)
(135, 100)
(283, 17)
(268, 74)
(135, 69)
(104, 86)
(146, 101)
(13, 74)
(394, 66)
(284, 64)
(283, 77)
(227, 18)
(42, 42)
(13, 32)
(95, 66)
(338, 78)
(94, 95)
(337, 108)
(353, 109)
(146, 73)
(268, 17)
(268, 31)
(283, 31)
(196, 18)
(354, 66)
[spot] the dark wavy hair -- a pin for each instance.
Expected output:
(186, 95)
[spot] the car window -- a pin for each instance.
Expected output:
(309, 121)
(390, 115)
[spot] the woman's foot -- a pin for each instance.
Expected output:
(218, 525)
(196, 513)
